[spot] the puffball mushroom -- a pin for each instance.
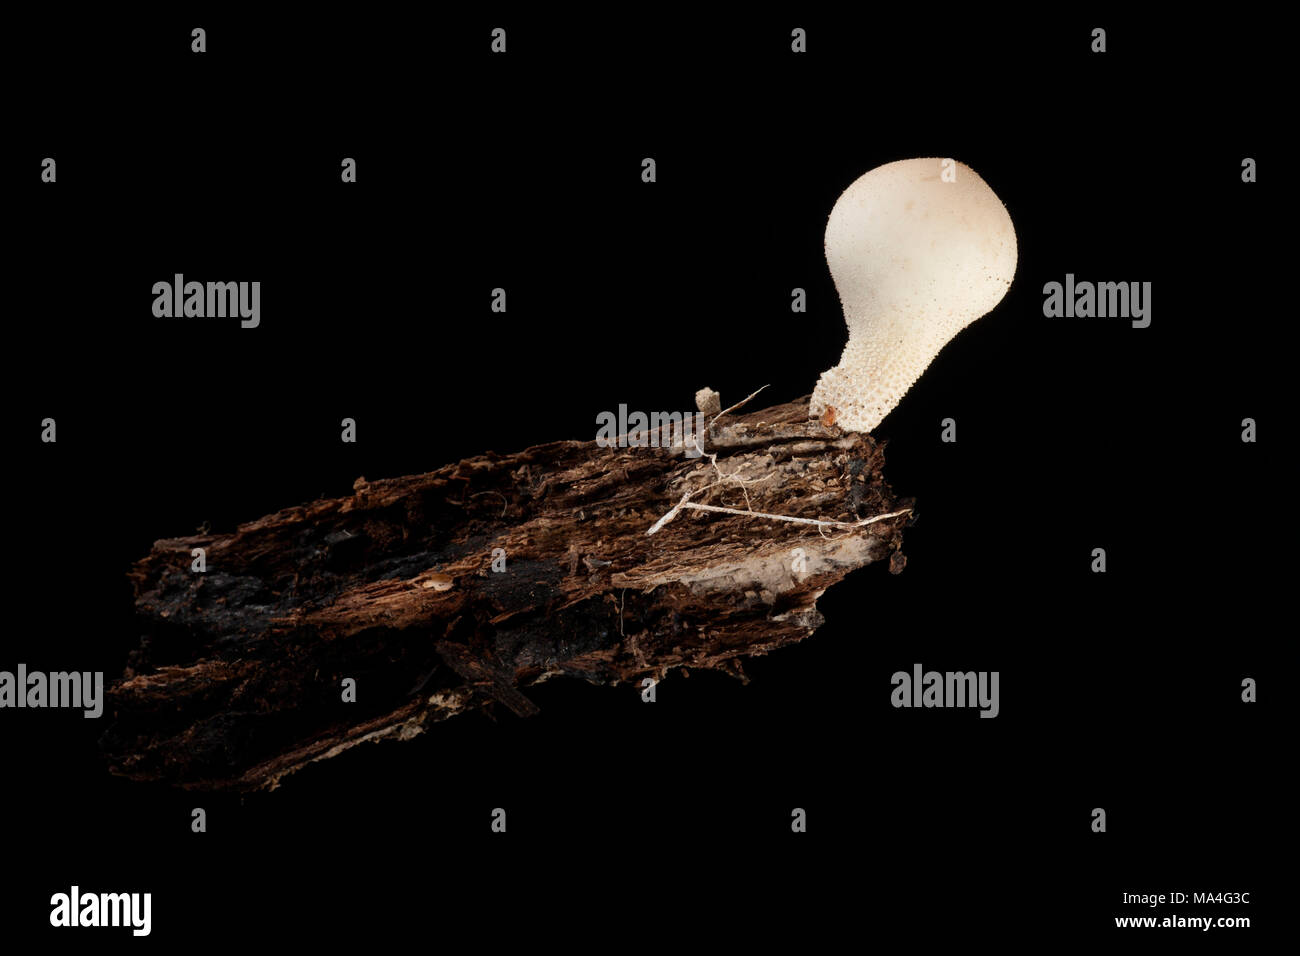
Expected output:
(915, 260)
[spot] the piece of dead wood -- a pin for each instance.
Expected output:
(238, 680)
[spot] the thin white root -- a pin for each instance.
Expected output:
(686, 502)
(671, 515)
(713, 460)
(733, 407)
(818, 522)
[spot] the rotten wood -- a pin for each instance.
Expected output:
(237, 681)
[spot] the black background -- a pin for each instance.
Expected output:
(668, 822)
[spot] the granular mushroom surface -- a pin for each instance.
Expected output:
(916, 256)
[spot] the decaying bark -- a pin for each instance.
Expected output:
(238, 678)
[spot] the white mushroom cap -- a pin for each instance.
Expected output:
(915, 260)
